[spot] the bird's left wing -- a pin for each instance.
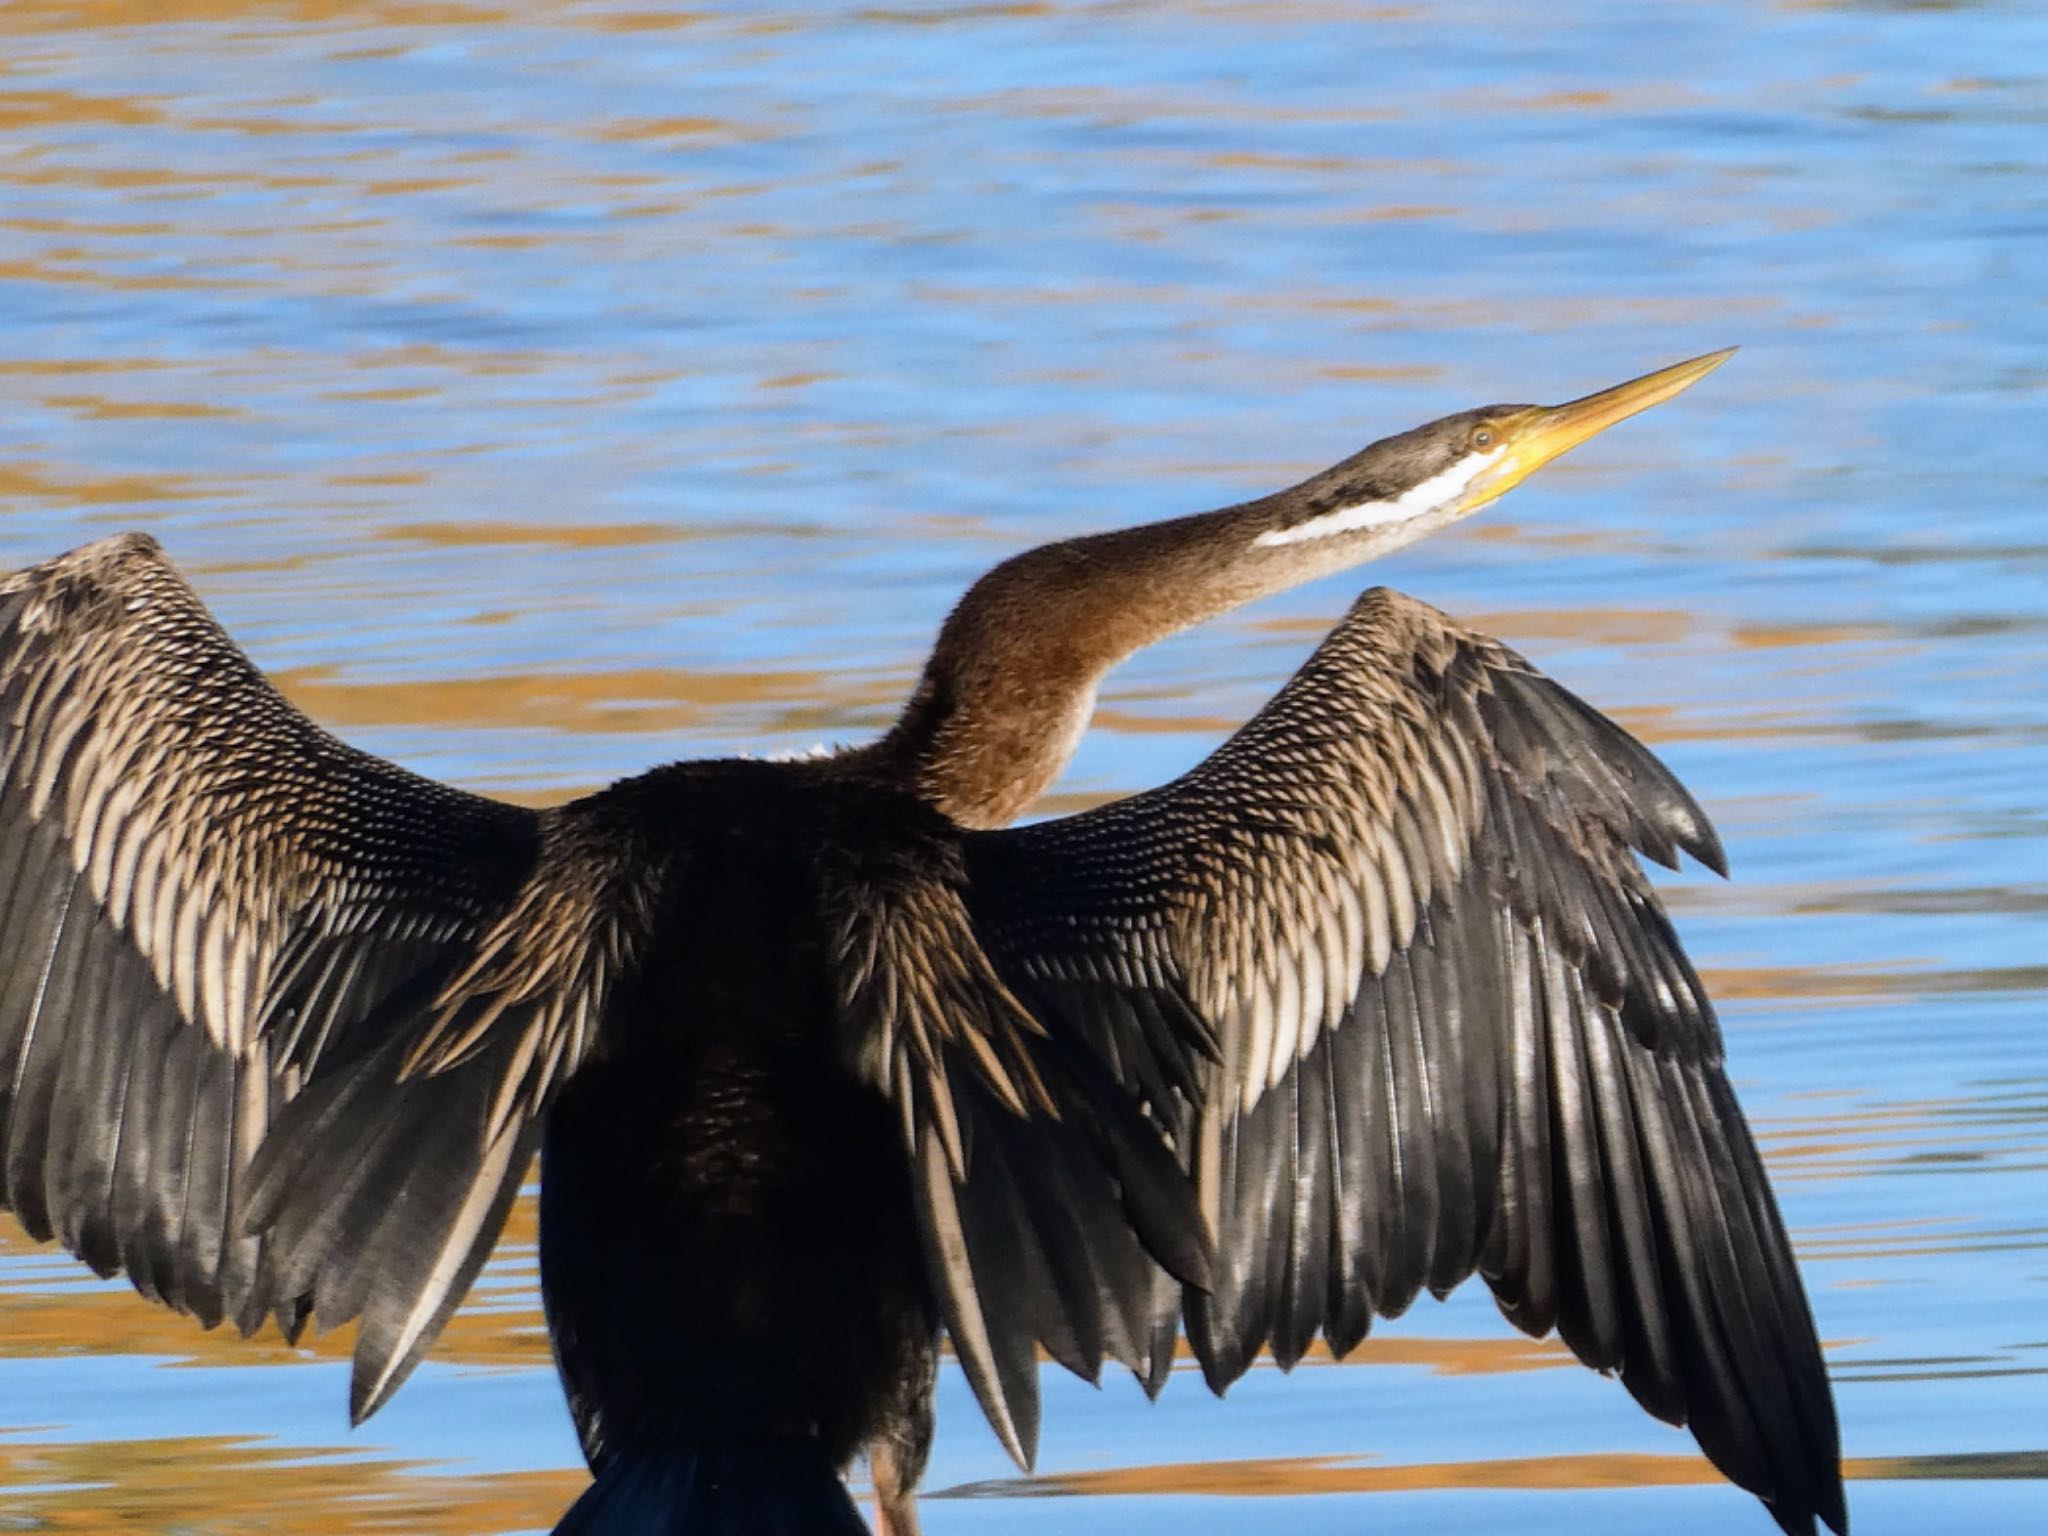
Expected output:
(1436, 1022)
(277, 1018)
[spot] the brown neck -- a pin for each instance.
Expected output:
(1011, 682)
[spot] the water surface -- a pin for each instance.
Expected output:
(543, 390)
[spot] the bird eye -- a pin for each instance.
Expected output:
(1482, 439)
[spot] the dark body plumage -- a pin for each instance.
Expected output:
(822, 1059)
(719, 1168)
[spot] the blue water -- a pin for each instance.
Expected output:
(542, 391)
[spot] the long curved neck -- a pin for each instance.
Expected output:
(1011, 683)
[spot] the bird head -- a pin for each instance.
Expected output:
(1415, 482)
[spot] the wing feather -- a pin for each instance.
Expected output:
(1444, 1026)
(276, 1017)
(1051, 1209)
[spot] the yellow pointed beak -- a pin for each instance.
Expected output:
(1532, 438)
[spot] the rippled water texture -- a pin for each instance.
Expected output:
(543, 390)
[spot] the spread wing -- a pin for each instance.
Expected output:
(276, 1017)
(1437, 1022)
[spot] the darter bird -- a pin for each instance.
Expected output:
(824, 1060)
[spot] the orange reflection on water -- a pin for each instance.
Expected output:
(32, 16)
(1838, 983)
(1272, 1475)
(1442, 1357)
(102, 408)
(663, 700)
(1269, 1476)
(31, 109)
(555, 535)
(214, 1483)
(42, 482)
(500, 1326)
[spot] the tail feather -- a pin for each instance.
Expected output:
(741, 1489)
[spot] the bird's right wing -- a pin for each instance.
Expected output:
(277, 1018)
(1438, 1023)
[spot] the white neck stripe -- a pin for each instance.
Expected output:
(1438, 491)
